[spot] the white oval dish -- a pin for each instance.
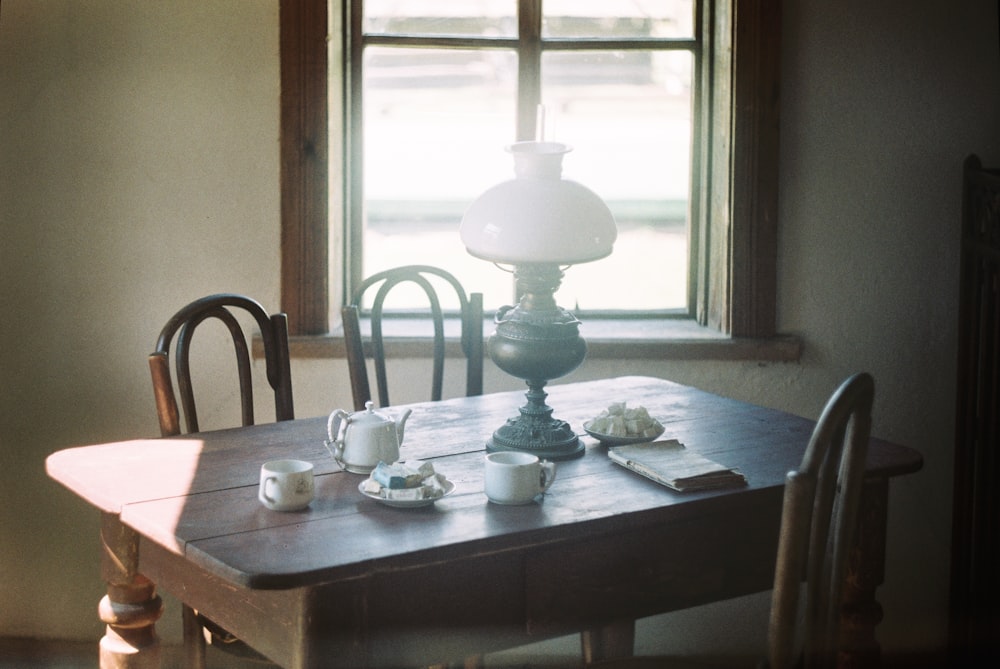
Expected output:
(609, 440)
(449, 487)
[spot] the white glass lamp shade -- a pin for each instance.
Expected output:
(538, 217)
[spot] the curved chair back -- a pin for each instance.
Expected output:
(273, 330)
(818, 523)
(471, 312)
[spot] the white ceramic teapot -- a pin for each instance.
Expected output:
(358, 441)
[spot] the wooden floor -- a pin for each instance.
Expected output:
(37, 654)
(34, 654)
(18, 653)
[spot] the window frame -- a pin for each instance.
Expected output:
(734, 221)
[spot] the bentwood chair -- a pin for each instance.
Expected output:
(820, 514)
(273, 331)
(429, 280)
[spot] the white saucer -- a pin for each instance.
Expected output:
(449, 487)
(609, 440)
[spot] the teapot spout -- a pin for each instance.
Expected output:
(400, 425)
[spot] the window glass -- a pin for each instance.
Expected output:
(435, 124)
(478, 18)
(623, 19)
(627, 115)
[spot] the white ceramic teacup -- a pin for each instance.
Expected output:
(517, 478)
(286, 485)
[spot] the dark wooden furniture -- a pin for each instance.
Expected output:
(273, 331)
(818, 520)
(471, 320)
(350, 582)
(225, 307)
(975, 577)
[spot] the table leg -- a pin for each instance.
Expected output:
(131, 607)
(610, 641)
(861, 612)
(194, 639)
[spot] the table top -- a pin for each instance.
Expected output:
(196, 495)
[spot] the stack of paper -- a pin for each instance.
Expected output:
(669, 463)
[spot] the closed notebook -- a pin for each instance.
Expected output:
(670, 463)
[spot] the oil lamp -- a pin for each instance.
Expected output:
(538, 223)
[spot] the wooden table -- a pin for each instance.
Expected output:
(350, 582)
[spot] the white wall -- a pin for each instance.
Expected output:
(139, 169)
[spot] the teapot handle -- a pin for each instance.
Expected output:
(338, 419)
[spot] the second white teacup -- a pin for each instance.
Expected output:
(286, 485)
(517, 478)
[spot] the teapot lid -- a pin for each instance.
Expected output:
(369, 416)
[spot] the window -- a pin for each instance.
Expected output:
(722, 72)
(440, 87)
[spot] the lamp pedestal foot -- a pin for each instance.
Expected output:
(535, 431)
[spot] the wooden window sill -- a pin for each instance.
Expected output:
(674, 339)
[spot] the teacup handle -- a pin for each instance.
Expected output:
(546, 474)
(268, 498)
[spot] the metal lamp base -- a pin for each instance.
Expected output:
(535, 431)
(537, 341)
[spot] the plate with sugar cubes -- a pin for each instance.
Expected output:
(406, 484)
(620, 424)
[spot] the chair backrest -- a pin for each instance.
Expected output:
(471, 311)
(274, 335)
(818, 523)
